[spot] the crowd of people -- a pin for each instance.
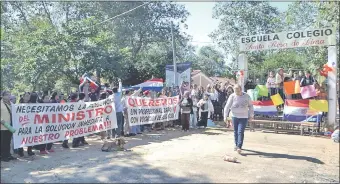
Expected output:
(275, 84)
(197, 105)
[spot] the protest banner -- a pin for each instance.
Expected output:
(148, 110)
(43, 123)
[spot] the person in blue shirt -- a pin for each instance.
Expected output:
(117, 95)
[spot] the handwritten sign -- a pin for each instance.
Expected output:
(41, 123)
(147, 110)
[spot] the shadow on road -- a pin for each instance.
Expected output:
(168, 135)
(90, 165)
(118, 167)
(278, 155)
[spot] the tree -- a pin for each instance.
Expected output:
(210, 61)
(306, 15)
(56, 42)
(241, 19)
(288, 59)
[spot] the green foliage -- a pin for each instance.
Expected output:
(240, 19)
(49, 45)
(251, 18)
(210, 61)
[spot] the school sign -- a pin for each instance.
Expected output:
(295, 39)
(289, 39)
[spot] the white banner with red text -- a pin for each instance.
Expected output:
(43, 123)
(147, 110)
(289, 39)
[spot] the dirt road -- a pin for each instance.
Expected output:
(196, 156)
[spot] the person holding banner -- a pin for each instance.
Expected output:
(81, 140)
(279, 79)
(45, 148)
(27, 98)
(297, 78)
(76, 141)
(242, 111)
(117, 94)
(137, 128)
(163, 95)
(55, 99)
(127, 129)
(6, 127)
(308, 81)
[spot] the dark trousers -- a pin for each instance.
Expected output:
(185, 118)
(203, 119)
(6, 137)
(44, 147)
(239, 127)
(222, 107)
(65, 142)
(272, 91)
(29, 149)
(78, 140)
(280, 91)
(178, 122)
(296, 96)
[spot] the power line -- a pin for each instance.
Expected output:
(115, 16)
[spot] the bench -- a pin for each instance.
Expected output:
(311, 125)
(286, 126)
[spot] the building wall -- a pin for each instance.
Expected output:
(201, 80)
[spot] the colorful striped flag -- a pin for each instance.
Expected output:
(264, 108)
(298, 111)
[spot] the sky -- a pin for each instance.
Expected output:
(201, 24)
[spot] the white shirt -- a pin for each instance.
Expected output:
(213, 96)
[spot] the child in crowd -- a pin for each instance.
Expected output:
(271, 84)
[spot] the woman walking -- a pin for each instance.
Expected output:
(242, 111)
